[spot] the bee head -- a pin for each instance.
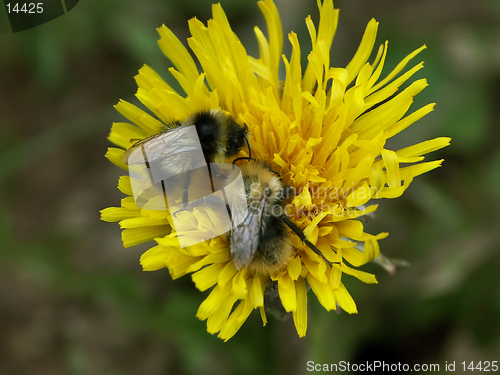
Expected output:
(237, 136)
(261, 184)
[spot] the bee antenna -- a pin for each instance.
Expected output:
(304, 239)
(276, 173)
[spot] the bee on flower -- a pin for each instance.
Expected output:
(320, 130)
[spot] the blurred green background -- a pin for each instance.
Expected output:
(74, 301)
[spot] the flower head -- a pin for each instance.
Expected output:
(322, 128)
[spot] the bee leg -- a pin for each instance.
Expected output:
(304, 239)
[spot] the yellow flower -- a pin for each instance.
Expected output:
(322, 128)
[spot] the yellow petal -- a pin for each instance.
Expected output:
(345, 300)
(351, 229)
(177, 53)
(300, 314)
(423, 148)
(270, 12)
(148, 79)
(135, 236)
(365, 277)
(239, 286)
(385, 92)
(154, 259)
(323, 291)
(227, 274)
(146, 122)
(207, 276)
(114, 214)
(294, 268)
(392, 167)
(115, 156)
(235, 320)
(256, 291)
(288, 295)
(124, 185)
(364, 51)
(123, 134)
(418, 169)
(263, 316)
(398, 68)
(316, 268)
(210, 305)
(220, 316)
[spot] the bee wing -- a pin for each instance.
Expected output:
(161, 146)
(245, 237)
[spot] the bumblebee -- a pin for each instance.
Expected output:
(182, 151)
(262, 242)
(220, 136)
